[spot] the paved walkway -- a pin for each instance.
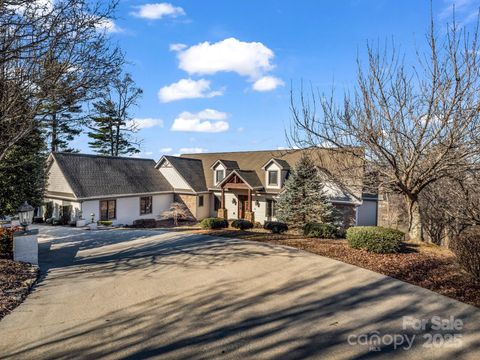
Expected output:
(147, 294)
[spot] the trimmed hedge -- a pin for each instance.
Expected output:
(276, 227)
(319, 230)
(214, 223)
(375, 239)
(242, 224)
(105, 222)
(145, 223)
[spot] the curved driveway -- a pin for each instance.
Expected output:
(134, 294)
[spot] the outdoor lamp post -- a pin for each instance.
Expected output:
(25, 214)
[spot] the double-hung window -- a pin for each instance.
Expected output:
(145, 205)
(108, 210)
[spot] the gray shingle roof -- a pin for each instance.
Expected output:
(191, 170)
(254, 160)
(96, 175)
(229, 164)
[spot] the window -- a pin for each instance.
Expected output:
(108, 209)
(270, 208)
(200, 201)
(219, 175)
(216, 203)
(145, 205)
(273, 177)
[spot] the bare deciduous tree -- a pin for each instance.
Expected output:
(32, 33)
(417, 123)
(177, 211)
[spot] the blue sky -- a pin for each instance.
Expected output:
(217, 74)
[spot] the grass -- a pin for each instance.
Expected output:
(426, 265)
(16, 279)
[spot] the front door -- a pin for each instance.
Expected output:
(242, 206)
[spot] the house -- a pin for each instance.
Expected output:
(229, 184)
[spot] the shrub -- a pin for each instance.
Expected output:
(276, 227)
(242, 224)
(375, 239)
(105, 222)
(6, 241)
(318, 230)
(214, 223)
(145, 223)
(466, 248)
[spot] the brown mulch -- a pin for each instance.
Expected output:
(16, 279)
(429, 266)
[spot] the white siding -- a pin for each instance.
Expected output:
(56, 180)
(173, 177)
(204, 211)
(128, 208)
(57, 205)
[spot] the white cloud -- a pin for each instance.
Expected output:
(187, 89)
(267, 83)
(250, 59)
(177, 47)
(166, 150)
(145, 123)
(109, 26)
(36, 7)
(207, 121)
(157, 11)
(194, 150)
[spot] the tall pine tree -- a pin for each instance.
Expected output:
(61, 113)
(303, 199)
(112, 127)
(23, 174)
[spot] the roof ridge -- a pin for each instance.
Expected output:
(100, 156)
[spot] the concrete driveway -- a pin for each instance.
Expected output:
(128, 294)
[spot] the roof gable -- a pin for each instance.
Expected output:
(191, 170)
(97, 176)
(249, 178)
(282, 164)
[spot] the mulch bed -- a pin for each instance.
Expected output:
(16, 279)
(428, 266)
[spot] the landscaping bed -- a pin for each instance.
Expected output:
(428, 266)
(16, 279)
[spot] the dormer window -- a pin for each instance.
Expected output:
(219, 175)
(273, 177)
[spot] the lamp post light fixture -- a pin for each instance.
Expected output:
(25, 214)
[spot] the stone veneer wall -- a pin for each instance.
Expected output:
(392, 211)
(348, 214)
(190, 202)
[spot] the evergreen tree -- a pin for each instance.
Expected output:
(111, 126)
(303, 199)
(61, 114)
(23, 174)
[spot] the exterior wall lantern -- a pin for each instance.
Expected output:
(25, 214)
(234, 201)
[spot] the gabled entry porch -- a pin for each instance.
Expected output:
(243, 184)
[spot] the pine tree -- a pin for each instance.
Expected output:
(61, 114)
(23, 174)
(111, 126)
(304, 199)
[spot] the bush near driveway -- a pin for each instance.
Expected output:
(375, 239)
(214, 223)
(466, 248)
(6, 242)
(276, 227)
(319, 230)
(242, 224)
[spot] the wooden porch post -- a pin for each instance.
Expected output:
(223, 199)
(249, 200)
